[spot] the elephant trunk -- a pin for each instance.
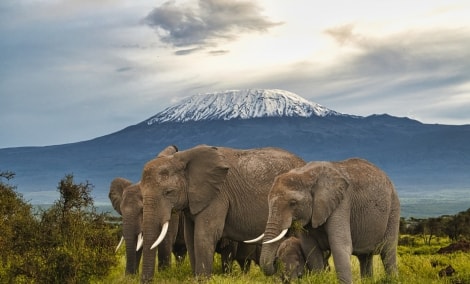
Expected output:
(130, 233)
(131, 259)
(153, 223)
(151, 231)
(268, 250)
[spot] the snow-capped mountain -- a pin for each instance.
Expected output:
(424, 160)
(241, 104)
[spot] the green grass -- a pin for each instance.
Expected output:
(414, 263)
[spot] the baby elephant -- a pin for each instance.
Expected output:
(292, 259)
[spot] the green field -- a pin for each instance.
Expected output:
(414, 267)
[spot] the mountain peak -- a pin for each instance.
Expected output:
(241, 104)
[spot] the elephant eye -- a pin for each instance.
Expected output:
(292, 202)
(168, 191)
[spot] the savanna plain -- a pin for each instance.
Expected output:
(71, 242)
(417, 263)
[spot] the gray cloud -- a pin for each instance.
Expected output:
(211, 20)
(186, 51)
(218, 52)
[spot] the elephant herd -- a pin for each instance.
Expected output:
(265, 205)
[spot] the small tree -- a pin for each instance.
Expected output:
(80, 245)
(458, 226)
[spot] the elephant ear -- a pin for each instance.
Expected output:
(115, 192)
(328, 191)
(170, 150)
(206, 170)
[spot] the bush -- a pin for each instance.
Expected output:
(18, 229)
(67, 243)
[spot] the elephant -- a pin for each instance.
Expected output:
(349, 207)
(126, 199)
(291, 257)
(244, 254)
(222, 191)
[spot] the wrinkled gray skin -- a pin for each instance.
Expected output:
(292, 259)
(222, 191)
(244, 254)
(126, 199)
(349, 207)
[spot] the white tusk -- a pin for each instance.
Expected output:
(254, 240)
(161, 237)
(140, 242)
(281, 235)
(120, 243)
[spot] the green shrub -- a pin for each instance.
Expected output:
(67, 243)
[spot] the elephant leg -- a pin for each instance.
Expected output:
(342, 261)
(204, 249)
(314, 257)
(389, 259)
(179, 247)
(227, 250)
(245, 264)
(164, 253)
(208, 228)
(189, 238)
(366, 265)
(166, 247)
(339, 238)
(388, 252)
(244, 255)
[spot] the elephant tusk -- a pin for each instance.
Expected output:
(254, 240)
(281, 235)
(140, 241)
(161, 237)
(119, 244)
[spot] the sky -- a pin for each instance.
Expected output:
(79, 69)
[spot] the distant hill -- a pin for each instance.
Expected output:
(429, 163)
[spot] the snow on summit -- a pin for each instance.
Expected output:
(240, 104)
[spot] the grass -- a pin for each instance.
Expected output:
(414, 265)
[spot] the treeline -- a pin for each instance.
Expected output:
(455, 227)
(67, 243)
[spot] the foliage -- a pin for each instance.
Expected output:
(17, 227)
(455, 227)
(67, 243)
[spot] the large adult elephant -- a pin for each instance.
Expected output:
(223, 193)
(126, 199)
(349, 207)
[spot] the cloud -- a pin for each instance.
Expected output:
(420, 71)
(342, 34)
(186, 51)
(209, 22)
